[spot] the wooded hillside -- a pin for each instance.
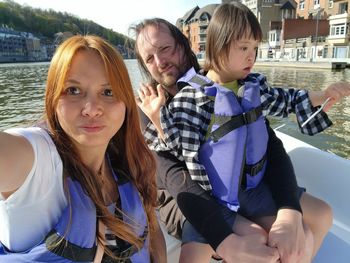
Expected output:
(46, 23)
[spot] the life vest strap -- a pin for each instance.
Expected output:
(123, 257)
(254, 169)
(61, 247)
(123, 251)
(235, 122)
(201, 82)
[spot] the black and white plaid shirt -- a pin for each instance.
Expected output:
(186, 119)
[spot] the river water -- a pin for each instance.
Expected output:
(22, 90)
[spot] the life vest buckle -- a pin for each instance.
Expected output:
(254, 169)
(252, 115)
(214, 138)
(246, 118)
(123, 256)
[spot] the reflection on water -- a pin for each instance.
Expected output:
(22, 90)
(21, 93)
(335, 139)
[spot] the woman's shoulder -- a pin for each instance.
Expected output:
(33, 134)
(26, 131)
(39, 139)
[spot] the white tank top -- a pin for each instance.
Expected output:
(33, 210)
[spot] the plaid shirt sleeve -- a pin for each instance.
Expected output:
(153, 141)
(185, 122)
(281, 102)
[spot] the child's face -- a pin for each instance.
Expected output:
(241, 58)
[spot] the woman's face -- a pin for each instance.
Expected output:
(87, 109)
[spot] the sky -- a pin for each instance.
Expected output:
(118, 15)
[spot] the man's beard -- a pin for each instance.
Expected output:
(168, 81)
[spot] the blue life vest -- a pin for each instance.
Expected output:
(234, 155)
(78, 225)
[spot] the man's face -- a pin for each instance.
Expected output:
(163, 58)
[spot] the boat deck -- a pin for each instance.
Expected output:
(326, 176)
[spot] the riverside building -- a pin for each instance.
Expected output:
(301, 30)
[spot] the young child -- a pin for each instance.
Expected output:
(192, 124)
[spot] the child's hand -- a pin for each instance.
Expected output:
(336, 92)
(288, 235)
(247, 248)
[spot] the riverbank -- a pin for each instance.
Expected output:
(298, 64)
(302, 64)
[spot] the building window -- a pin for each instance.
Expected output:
(302, 4)
(330, 4)
(339, 30)
(339, 52)
(343, 8)
(316, 4)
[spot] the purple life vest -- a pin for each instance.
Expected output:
(77, 226)
(234, 155)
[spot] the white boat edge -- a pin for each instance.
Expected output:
(324, 175)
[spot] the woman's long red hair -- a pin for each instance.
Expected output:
(127, 149)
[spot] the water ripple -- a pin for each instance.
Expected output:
(22, 91)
